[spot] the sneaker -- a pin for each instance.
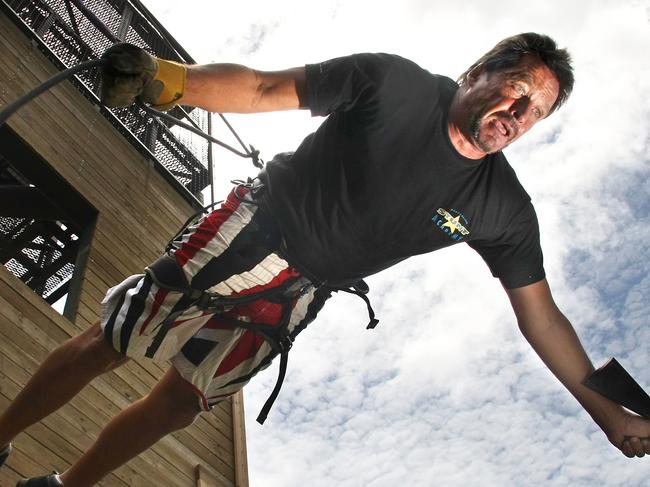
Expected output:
(4, 454)
(47, 481)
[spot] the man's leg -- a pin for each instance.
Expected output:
(171, 405)
(66, 371)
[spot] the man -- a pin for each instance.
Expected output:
(405, 163)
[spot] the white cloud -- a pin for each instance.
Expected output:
(445, 391)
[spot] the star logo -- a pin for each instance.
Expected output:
(453, 224)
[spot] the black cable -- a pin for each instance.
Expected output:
(14, 106)
(232, 130)
(252, 154)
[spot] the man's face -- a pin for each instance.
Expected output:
(504, 105)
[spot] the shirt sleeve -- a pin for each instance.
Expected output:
(344, 83)
(515, 257)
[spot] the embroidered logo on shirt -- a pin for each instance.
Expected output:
(452, 222)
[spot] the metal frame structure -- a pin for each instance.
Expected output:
(73, 31)
(42, 240)
(45, 225)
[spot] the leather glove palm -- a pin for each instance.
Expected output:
(131, 72)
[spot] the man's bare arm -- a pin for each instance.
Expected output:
(553, 338)
(233, 88)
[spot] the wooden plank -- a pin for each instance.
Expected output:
(239, 435)
(139, 212)
(26, 344)
(123, 386)
(34, 65)
(77, 422)
(113, 197)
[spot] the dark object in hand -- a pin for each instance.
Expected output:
(612, 381)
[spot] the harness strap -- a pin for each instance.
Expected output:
(167, 274)
(360, 289)
(278, 337)
(162, 333)
(264, 412)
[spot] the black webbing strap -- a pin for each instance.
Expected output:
(264, 412)
(165, 273)
(279, 294)
(361, 289)
(278, 337)
(163, 329)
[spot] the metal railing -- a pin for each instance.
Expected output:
(73, 31)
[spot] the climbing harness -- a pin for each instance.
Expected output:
(166, 273)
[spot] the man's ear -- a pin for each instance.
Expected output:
(474, 74)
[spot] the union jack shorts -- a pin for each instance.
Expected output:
(230, 253)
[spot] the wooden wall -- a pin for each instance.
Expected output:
(138, 213)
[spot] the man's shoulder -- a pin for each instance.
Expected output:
(403, 64)
(379, 60)
(505, 176)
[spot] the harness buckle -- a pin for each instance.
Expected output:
(285, 343)
(208, 301)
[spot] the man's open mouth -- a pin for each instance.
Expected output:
(505, 128)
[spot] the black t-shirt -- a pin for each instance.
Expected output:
(380, 181)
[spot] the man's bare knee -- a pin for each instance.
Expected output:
(92, 350)
(179, 405)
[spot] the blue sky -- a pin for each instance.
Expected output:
(446, 391)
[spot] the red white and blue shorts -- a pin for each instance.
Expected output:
(228, 253)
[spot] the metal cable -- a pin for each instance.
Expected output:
(14, 106)
(252, 154)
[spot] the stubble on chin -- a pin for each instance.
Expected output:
(475, 134)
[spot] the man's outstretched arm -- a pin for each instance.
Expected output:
(130, 72)
(555, 341)
(232, 88)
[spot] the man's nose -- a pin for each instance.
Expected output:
(519, 109)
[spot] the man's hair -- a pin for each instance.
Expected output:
(510, 52)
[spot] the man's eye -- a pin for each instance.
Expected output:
(537, 112)
(519, 90)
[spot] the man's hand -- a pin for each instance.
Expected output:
(131, 73)
(555, 341)
(630, 434)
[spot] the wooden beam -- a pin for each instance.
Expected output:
(198, 475)
(138, 212)
(239, 439)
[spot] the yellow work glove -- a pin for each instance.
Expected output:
(131, 72)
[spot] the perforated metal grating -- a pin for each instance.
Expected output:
(40, 253)
(75, 31)
(43, 221)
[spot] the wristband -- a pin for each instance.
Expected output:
(172, 77)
